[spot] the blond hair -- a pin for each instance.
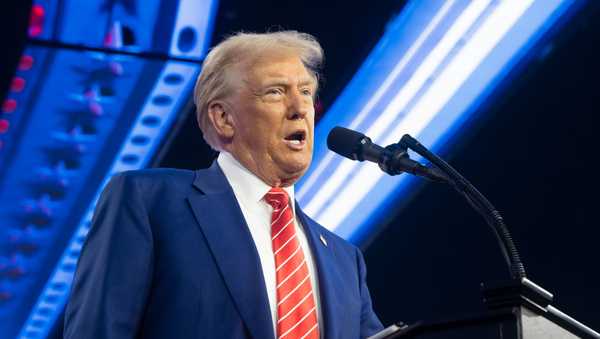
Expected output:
(241, 47)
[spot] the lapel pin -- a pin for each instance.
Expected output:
(323, 239)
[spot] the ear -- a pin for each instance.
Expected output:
(219, 113)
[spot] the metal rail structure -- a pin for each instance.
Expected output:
(97, 88)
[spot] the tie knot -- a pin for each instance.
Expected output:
(277, 198)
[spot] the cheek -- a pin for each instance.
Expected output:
(266, 135)
(253, 128)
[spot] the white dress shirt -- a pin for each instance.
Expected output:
(249, 191)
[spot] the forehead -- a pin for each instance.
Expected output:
(274, 67)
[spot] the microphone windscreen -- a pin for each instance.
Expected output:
(345, 142)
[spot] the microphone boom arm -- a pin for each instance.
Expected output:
(520, 291)
(478, 201)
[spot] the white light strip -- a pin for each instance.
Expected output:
(424, 72)
(196, 15)
(315, 174)
(504, 16)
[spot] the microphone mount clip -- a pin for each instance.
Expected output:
(393, 159)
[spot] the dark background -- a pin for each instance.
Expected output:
(530, 150)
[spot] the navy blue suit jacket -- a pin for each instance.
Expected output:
(169, 255)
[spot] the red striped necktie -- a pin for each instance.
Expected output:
(296, 309)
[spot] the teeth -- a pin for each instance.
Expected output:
(295, 142)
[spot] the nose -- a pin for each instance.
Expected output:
(300, 105)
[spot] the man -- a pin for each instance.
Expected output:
(225, 252)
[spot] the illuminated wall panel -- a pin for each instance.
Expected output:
(432, 68)
(99, 85)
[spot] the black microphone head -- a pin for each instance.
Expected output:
(345, 142)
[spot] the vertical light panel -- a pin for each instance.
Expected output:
(193, 28)
(440, 60)
(141, 114)
(144, 137)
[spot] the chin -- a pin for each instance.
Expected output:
(292, 164)
(297, 168)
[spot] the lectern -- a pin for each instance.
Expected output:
(515, 311)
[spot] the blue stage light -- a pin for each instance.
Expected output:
(432, 68)
(102, 104)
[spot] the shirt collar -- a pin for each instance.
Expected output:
(247, 186)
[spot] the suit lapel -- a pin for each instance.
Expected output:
(325, 263)
(221, 220)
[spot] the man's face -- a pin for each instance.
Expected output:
(273, 118)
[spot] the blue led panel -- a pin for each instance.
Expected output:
(432, 68)
(96, 91)
(61, 148)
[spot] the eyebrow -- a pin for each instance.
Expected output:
(285, 82)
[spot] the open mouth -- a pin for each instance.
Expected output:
(296, 138)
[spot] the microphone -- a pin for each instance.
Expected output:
(392, 159)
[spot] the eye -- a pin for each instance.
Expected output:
(275, 91)
(306, 91)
